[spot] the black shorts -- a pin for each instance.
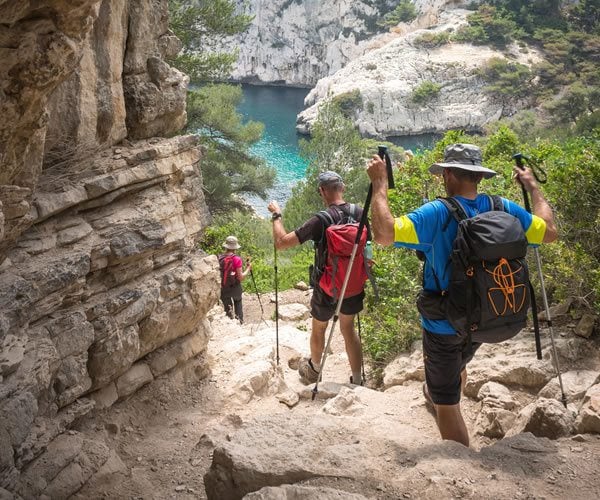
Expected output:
(322, 306)
(445, 357)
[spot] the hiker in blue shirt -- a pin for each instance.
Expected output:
(445, 353)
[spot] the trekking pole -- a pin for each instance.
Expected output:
(519, 162)
(276, 303)
(383, 154)
(262, 311)
(362, 358)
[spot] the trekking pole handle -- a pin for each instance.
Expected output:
(518, 157)
(382, 151)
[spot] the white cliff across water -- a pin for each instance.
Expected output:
(387, 76)
(293, 42)
(338, 48)
(296, 42)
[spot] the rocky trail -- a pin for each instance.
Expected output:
(248, 429)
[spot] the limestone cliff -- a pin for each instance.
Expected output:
(102, 287)
(295, 43)
(337, 47)
(386, 76)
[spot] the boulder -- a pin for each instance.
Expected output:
(585, 327)
(544, 418)
(293, 312)
(496, 395)
(588, 419)
(296, 492)
(347, 402)
(512, 364)
(494, 422)
(575, 385)
(404, 368)
(557, 311)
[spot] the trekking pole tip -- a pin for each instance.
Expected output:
(314, 393)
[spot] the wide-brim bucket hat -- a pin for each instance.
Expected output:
(231, 243)
(463, 156)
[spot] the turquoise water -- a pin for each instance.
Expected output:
(277, 108)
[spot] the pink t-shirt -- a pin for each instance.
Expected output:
(237, 262)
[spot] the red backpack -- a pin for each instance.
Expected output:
(337, 244)
(228, 275)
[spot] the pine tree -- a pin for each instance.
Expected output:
(228, 167)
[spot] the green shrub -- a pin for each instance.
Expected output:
(404, 12)
(506, 78)
(489, 26)
(425, 92)
(432, 39)
(348, 102)
(391, 325)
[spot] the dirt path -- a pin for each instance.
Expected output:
(158, 432)
(166, 434)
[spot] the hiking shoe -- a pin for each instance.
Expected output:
(307, 372)
(429, 404)
(362, 382)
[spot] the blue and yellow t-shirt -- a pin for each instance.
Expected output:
(422, 230)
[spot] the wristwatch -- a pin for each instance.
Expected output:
(276, 215)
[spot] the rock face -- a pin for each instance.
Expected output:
(102, 288)
(297, 42)
(293, 42)
(385, 77)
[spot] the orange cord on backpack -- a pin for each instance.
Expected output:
(504, 277)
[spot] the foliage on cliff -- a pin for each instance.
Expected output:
(567, 84)
(404, 12)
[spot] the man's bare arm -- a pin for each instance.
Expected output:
(382, 220)
(281, 239)
(541, 208)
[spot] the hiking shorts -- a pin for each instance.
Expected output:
(322, 306)
(445, 357)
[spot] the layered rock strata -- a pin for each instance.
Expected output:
(102, 287)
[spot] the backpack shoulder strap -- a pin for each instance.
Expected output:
(496, 203)
(353, 212)
(455, 210)
(326, 218)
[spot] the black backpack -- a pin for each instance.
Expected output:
(488, 295)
